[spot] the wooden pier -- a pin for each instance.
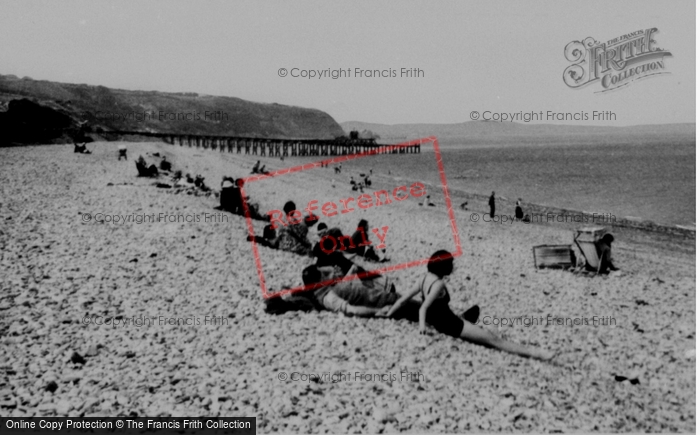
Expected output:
(273, 147)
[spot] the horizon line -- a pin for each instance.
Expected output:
(517, 123)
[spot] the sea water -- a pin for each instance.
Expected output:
(650, 181)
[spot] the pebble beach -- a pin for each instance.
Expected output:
(102, 316)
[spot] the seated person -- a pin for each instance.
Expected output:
(269, 233)
(334, 258)
(146, 171)
(227, 182)
(355, 297)
(519, 215)
(426, 202)
(604, 248)
(122, 152)
(321, 229)
(185, 181)
(359, 239)
(292, 237)
(81, 149)
(165, 165)
(230, 197)
(435, 310)
(256, 168)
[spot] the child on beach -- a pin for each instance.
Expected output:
(436, 311)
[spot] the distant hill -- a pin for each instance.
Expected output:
(508, 132)
(188, 113)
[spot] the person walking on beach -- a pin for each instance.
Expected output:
(435, 310)
(492, 205)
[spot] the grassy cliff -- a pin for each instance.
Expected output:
(189, 113)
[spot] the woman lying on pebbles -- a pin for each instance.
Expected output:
(435, 311)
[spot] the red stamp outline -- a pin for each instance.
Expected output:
(337, 159)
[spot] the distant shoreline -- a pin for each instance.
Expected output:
(571, 217)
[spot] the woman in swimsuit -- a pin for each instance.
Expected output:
(435, 311)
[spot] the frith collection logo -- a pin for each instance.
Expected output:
(615, 63)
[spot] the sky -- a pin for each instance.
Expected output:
(476, 56)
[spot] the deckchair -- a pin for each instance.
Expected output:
(587, 240)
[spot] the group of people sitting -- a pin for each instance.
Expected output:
(292, 238)
(366, 182)
(259, 170)
(187, 181)
(295, 238)
(336, 283)
(231, 199)
(371, 294)
(81, 148)
(146, 170)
